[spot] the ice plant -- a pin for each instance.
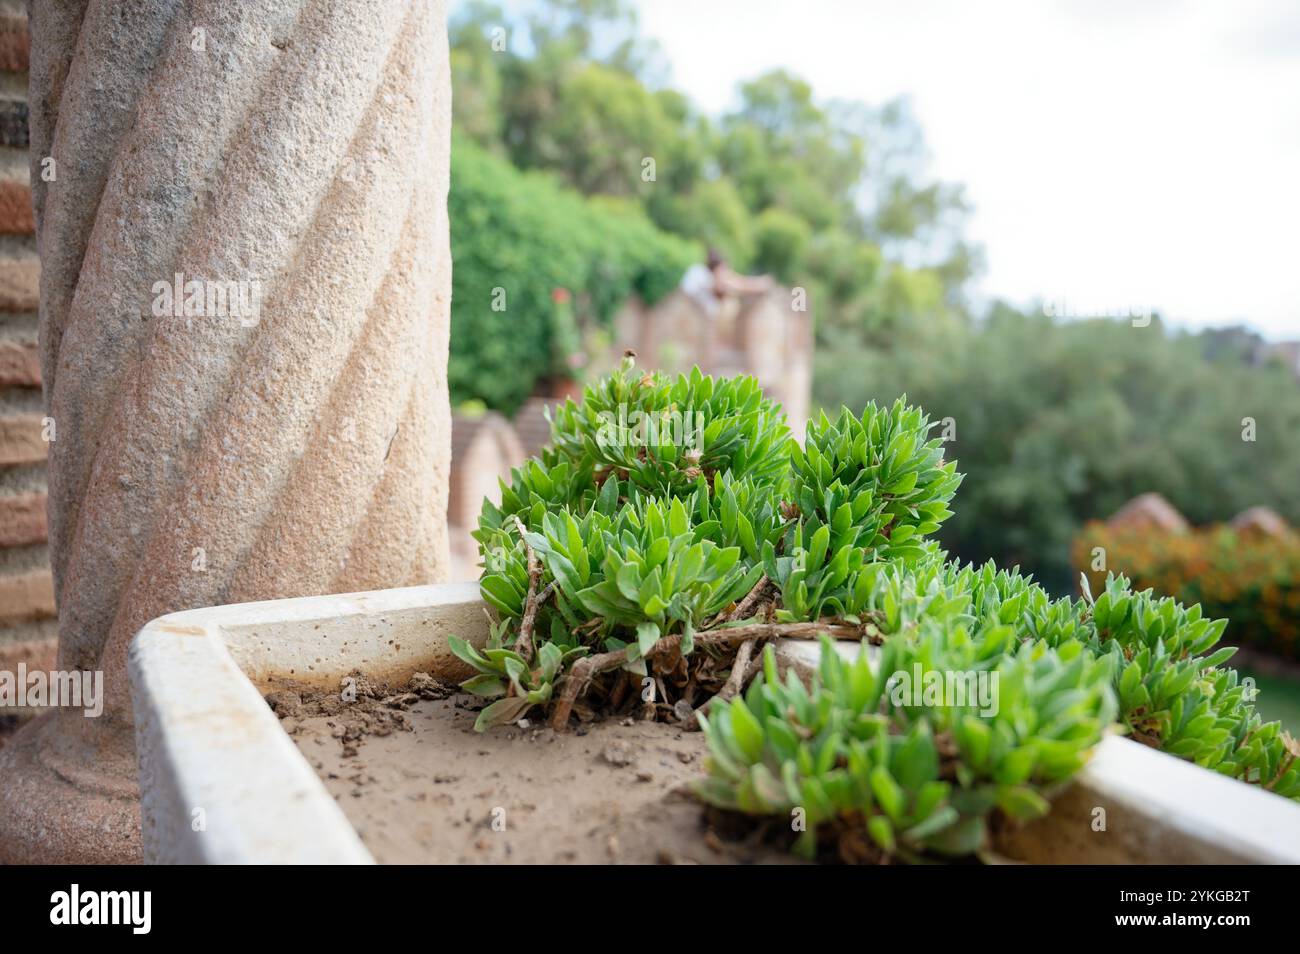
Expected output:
(850, 765)
(673, 527)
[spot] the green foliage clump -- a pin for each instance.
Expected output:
(1172, 689)
(504, 225)
(666, 433)
(673, 527)
(905, 780)
(1061, 422)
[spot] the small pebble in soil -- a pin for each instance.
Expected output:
(618, 753)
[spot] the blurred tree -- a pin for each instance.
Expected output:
(1059, 423)
(1055, 422)
(1233, 344)
(782, 150)
(512, 272)
(712, 213)
(476, 75)
(782, 241)
(569, 88)
(609, 135)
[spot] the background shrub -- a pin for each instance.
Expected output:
(525, 234)
(1253, 581)
(1059, 423)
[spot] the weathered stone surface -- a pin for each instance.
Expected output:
(1261, 521)
(483, 451)
(760, 334)
(20, 280)
(300, 454)
(33, 653)
(298, 448)
(484, 448)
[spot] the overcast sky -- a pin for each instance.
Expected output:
(1119, 153)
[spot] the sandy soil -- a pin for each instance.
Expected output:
(421, 786)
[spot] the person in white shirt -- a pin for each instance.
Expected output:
(712, 281)
(717, 289)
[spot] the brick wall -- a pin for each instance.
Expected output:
(27, 623)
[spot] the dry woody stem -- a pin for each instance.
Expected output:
(745, 636)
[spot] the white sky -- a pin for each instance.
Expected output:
(1119, 153)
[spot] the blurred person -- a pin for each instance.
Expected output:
(717, 289)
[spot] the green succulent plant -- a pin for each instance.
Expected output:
(907, 780)
(506, 676)
(673, 527)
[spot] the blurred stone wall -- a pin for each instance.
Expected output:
(28, 628)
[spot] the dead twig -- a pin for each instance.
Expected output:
(618, 694)
(581, 674)
(744, 606)
(1293, 752)
(590, 626)
(590, 666)
(524, 644)
(736, 680)
(735, 635)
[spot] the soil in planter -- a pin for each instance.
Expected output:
(420, 785)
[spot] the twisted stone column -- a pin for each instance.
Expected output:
(244, 318)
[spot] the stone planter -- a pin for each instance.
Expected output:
(221, 781)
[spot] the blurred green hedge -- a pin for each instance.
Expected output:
(527, 236)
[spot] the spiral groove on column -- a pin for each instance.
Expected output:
(299, 148)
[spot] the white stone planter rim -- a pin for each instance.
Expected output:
(210, 747)
(220, 780)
